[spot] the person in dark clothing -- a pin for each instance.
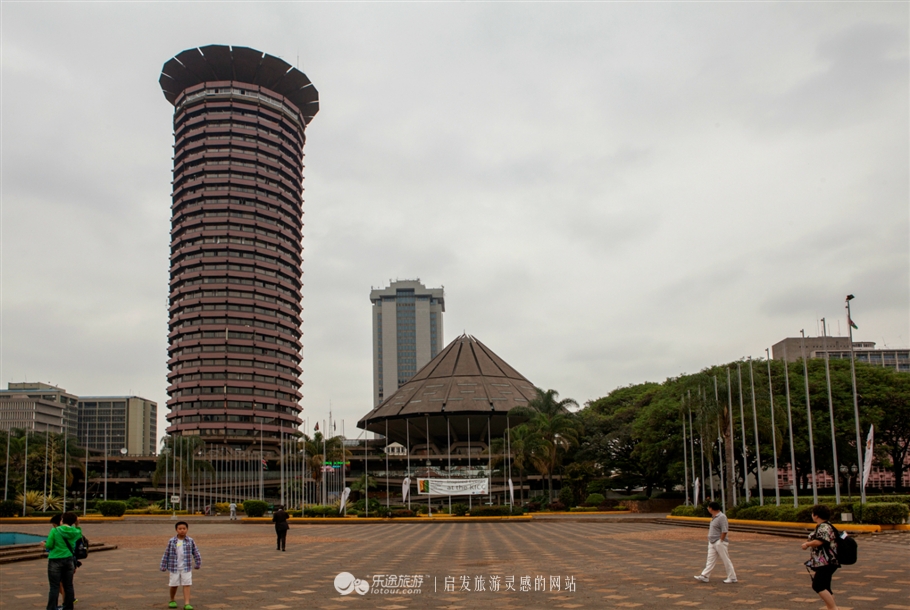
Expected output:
(61, 565)
(280, 519)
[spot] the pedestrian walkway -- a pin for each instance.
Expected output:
(562, 564)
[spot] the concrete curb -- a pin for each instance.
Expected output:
(844, 527)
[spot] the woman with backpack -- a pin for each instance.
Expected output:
(822, 544)
(61, 560)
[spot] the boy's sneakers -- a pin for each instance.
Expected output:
(701, 578)
(187, 607)
(730, 580)
(172, 605)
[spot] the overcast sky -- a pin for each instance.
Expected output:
(610, 193)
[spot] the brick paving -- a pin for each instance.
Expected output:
(614, 565)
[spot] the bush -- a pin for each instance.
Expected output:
(583, 509)
(320, 510)
(556, 506)
(112, 508)
(533, 507)
(423, 509)
(518, 510)
(362, 505)
(640, 497)
(135, 502)
(255, 508)
(595, 500)
(401, 512)
(804, 515)
(684, 510)
(383, 511)
(885, 513)
(566, 496)
(597, 486)
(490, 511)
(540, 499)
(9, 508)
(460, 509)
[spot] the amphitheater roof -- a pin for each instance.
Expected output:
(226, 63)
(465, 379)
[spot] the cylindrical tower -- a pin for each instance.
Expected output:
(236, 244)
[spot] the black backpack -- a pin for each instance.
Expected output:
(846, 548)
(81, 549)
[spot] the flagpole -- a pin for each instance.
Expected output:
(449, 453)
(742, 422)
(261, 458)
(720, 448)
(429, 495)
(685, 457)
(65, 461)
(9, 434)
(773, 430)
(407, 427)
(802, 348)
(731, 455)
(790, 425)
(691, 444)
(470, 496)
(490, 456)
(831, 412)
(704, 408)
(387, 503)
(761, 493)
(509, 462)
(859, 441)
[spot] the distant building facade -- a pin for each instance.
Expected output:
(407, 333)
(839, 348)
(38, 407)
(112, 423)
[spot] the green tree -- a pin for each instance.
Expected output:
(556, 425)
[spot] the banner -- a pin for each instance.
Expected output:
(451, 487)
(344, 498)
(405, 489)
(511, 493)
(697, 489)
(867, 462)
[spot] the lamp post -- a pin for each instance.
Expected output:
(859, 442)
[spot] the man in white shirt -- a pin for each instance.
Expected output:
(718, 545)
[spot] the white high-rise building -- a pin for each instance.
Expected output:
(407, 333)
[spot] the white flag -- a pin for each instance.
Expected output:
(344, 498)
(867, 463)
(511, 492)
(405, 489)
(697, 486)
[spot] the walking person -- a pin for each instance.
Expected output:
(180, 557)
(822, 564)
(233, 508)
(61, 562)
(718, 546)
(280, 519)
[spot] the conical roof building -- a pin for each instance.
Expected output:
(463, 394)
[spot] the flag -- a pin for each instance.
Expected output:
(867, 462)
(344, 498)
(511, 492)
(852, 323)
(405, 489)
(334, 426)
(697, 486)
(265, 465)
(317, 427)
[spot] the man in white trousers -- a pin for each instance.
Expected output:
(717, 545)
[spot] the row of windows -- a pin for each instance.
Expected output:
(233, 253)
(233, 404)
(235, 294)
(294, 202)
(231, 178)
(239, 349)
(187, 228)
(233, 362)
(240, 281)
(225, 321)
(200, 215)
(237, 377)
(201, 138)
(233, 390)
(206, 101)
(233, 123)
(181, 243)
(232, 307)
(287, 216)
(222, 267)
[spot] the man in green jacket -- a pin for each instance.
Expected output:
(60, 544)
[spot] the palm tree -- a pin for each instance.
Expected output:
(332, 447)
(527, 448)
(557, 426)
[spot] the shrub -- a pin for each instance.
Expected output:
(597, 486)
(460, 509)
(540, 499)
(361, 505)
(684, 510)
(255, 508)
(583, 509)
(383, 511)
(135, 502)
(804, 514)
(320, 510)
(423, 509)
(533, 507)
(566, 496)
(885, 513)
(556, 506)
(595, 500)
(9, 508)
(401, 512)
(112, 508)
(490, 511)
(518, 510)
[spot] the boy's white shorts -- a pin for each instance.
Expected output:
(179, 579)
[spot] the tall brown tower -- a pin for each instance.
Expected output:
(240, 118)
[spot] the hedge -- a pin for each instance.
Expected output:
(684, 510)
(496, 511)
(885, 513)
(320, 510)
(595, 500)
(112, 508)
(255, 508)
(9, 508)
(459, 509)
(401, 512)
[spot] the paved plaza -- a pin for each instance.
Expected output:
(563, 563)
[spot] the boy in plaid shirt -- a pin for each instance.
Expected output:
(179, 556)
